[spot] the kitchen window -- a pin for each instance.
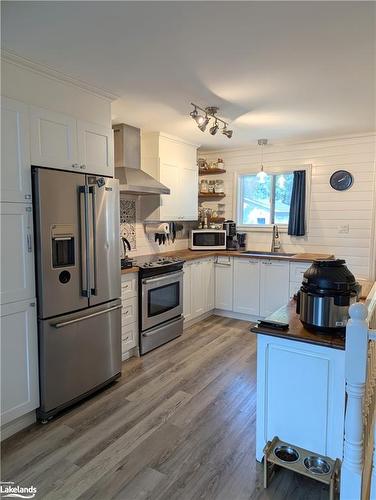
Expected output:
(264, 201)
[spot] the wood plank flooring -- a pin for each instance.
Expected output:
(179, 424)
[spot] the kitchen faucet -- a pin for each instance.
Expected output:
(276, 243)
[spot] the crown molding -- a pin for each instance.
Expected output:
(48, 71)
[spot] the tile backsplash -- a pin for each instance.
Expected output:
(132, 228)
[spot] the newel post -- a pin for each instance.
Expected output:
(355, 373)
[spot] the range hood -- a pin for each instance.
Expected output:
(132, 180)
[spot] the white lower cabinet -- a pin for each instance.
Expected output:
(19, 360)
(247, 286)
(224, 283)
(274, 285)
(129, 313)
(17, 256)
(198, 291)
(187, 283)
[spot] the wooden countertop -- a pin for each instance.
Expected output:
(129, 270)
(297, 331)
(200, 254)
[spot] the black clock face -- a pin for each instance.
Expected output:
(341, 180)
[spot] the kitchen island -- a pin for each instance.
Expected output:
(300, 386)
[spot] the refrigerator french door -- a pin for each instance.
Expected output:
(78, 285)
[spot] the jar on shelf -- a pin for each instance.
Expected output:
(211, 186)
(213, 165)
(220, 163)
(219, 186)
(204, 186)
(202, 164)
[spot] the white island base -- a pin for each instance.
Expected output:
(300, 395)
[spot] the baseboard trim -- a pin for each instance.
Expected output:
(191, 322)
(17, 425)
(234, 315)
(130, 354)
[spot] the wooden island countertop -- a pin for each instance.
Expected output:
(297, 331)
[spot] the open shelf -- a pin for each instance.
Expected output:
(217, 220)
(212, 171)
(209, 196)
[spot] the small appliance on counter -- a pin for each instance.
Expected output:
(125, 261)
(207, 239)
(327, 291)
(242, 240)
(231, 240)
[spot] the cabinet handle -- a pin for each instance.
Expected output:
(75, 165)
(27, 196)
(29, 247)
(83, 166)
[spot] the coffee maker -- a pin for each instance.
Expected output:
(231, 240)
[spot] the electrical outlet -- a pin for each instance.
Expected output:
(344, 229)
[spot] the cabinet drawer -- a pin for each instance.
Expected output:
(297, 269)
(129, 337)
(129, 286)
(129, 311)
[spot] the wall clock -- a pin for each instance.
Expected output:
(341, 180)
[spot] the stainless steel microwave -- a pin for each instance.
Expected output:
(207, 239)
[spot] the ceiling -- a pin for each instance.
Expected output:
(281, 70)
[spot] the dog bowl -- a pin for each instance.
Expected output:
(286, 453)
(316, 465)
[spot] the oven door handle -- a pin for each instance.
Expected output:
(146, 281)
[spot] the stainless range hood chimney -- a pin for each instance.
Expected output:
(132, 179)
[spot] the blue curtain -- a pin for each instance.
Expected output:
(297, 206)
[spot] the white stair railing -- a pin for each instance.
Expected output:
(358, 472)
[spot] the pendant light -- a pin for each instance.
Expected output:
(261, 175)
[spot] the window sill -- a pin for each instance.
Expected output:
(260, 229)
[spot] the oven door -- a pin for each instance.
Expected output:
(162, 299)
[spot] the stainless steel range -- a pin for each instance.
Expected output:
(161, 301)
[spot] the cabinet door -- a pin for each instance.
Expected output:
(15, 156)
(247, 286)
(197, 287)
(17, 257)
(208, 284)
(187, 304)
(53, 139)
(274, 285)
(129, 337)
(224, 283)
(95, 149)
(170, 176)
(189, 194)
(19, 360)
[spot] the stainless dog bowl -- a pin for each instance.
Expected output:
(286, 453)
(316, 465)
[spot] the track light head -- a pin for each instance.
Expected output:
(227, 133)
(203, 124)
(214, 129)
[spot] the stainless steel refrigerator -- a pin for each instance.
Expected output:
(76, 219)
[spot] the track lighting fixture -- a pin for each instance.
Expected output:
(203, 120)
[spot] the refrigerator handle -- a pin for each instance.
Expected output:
(94, 283)
(84, 239)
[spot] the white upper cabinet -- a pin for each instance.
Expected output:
(60, 141)
(95, 149)
(274, 285)
(15, 156)
(173, 162)
(17, 256)
(19, 360)
(53, 139)
(247, 286)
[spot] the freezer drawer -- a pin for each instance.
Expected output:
(78, 353)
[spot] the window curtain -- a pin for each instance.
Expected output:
(296, 225)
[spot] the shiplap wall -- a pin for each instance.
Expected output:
(329, 209)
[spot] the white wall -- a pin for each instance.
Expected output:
(328, 209)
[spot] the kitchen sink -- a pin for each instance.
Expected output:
(268, 254)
